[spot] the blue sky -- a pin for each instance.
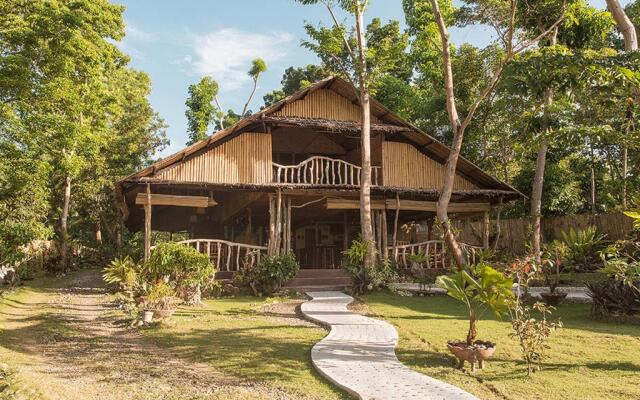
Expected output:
(178, 42)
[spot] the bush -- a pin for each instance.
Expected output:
(583, 247)
(183, 266)
(268, 276)
(161, 297)
(379, 276)
(123, 272)
(613, 298)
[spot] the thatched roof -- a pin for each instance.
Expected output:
(389, 122)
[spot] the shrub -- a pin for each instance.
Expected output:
(480, 288)
(583, 246)
(123, 272)
(182, 266)
(613, 298)
(379, 276)
(532, 333)
(268, 276)
(161, 296)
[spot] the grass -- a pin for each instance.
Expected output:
(229, 335)
(587, 360)
(51, 352)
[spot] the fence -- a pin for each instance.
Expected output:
(516, 233)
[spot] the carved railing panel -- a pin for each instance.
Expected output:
(320, 170)
(434, 251)
(229, 256)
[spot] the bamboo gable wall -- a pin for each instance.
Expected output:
(243, 159)
(325, 104)
(404, 166)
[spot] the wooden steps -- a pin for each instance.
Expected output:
(319, 279)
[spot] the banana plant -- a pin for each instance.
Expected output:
(480, 288)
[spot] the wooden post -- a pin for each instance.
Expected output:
(395, 223)
(147, 225)
(289, 236)
(384, 234)
(278, 222)
(272, 227)
(345, 223)
(485, 229)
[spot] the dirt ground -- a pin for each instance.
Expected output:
(69, 343)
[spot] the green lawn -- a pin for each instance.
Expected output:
(229, 335)
(588, 359)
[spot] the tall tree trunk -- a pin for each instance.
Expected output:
(458, 135)
(624, 24)
(63, 223)
(365, 181)
(538, 180)
(628, 31)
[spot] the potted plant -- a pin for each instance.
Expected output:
(480, 288)
(552, 262)
(160, 301)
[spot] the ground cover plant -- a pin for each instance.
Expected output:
(587, 359)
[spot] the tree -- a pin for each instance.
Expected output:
(503, 19)
(258, 66)
(295, 79)
(333, 44)
(200, 108)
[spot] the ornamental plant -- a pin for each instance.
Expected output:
(480, 288)
(363, 279)
(268, 276)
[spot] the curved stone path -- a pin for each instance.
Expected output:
(359, 355)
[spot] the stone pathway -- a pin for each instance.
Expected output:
(359, 356)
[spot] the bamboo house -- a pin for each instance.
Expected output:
(287, 179)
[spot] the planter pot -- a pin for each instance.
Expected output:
(147, 316)
(160, 314)
(477, 352)
(553, 299)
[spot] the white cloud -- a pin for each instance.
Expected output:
(226, 54)
(135, 33)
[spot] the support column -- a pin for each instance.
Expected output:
(147, 225)
(485, 229)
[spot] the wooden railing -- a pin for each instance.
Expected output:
(229, 256)
(433, 252)
(319, 170)
(471, 252)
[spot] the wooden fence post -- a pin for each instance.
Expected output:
(147, 225)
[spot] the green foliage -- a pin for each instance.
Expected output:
(200, 108)
(612, 298)
(532, 333)
(123, 272)
(182, 265)
(481, 288)
(379, 276)
(268, 276)
(161, 296)
(258, 66)
(583, 246)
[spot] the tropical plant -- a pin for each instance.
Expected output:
(613, 299)
(268, 276)
(480, 288)
(552, 259)
(184, 267)
(123, 272)
(531, 332)
(364, 279)
(583, 246)
(161, 296)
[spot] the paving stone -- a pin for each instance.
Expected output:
(359, 355)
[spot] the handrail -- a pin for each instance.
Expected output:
(228, 255)
(435, 252)
(321, 170)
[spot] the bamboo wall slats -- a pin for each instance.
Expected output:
(244, 159)
(404, 166)
(325, 104)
